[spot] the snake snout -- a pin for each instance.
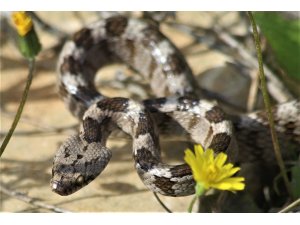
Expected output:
(76, 164)
(66, 181)
(56, 187)
(62, 189)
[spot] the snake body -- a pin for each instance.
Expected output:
(140, 45)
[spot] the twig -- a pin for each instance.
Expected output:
(21, 106)
(290, 206)
(275, 86)
(268, 106)
(45, 26)
(161, 203)
(22, 197)
(36, 133)
(252, 91)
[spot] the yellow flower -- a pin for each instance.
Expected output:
(212, 172)
(22, 22)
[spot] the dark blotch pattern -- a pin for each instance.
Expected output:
(79, 156)
(176, 64)
(289, 128)
(164, 184)
(113, 104)
(83, 38)
(74, 163)
(91, 133)
(144, 125)
(115, 26)
(215, 115)
(220, 142)
(151, 34)
(70, 65)
(145, 159)
(84, 148)
(154, 104)
(193, 121)
(181, 170)
(87, 93)
(62, 167)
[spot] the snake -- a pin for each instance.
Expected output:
(178, 109)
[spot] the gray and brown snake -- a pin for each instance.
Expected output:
(140, 45)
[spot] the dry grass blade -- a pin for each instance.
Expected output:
(268, 106)
(22, 197)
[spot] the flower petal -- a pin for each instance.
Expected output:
(222, 186)
(190, 158)
(228, 166)
(209, 156)
(220, 159)
(230, 185)
(235, 183)
(198, 152)
(232, 171)
(193, 163)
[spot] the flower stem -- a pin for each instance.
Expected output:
(21, 106)
(192, 204)
(268, 105)
(161, 203)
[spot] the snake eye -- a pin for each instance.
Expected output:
(79, 180)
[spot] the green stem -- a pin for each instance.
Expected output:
(192, 204)
(21, 106)
(268, 105)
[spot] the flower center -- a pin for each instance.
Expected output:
(212, 172)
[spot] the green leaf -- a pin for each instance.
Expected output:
(296, 181)
(283, 35)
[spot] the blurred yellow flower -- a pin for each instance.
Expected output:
(22, 22)
(28, 40)
(212, 172)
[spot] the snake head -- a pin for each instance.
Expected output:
(76, 164)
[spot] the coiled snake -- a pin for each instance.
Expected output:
(140, 45)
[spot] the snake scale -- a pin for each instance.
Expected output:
(140, 45)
